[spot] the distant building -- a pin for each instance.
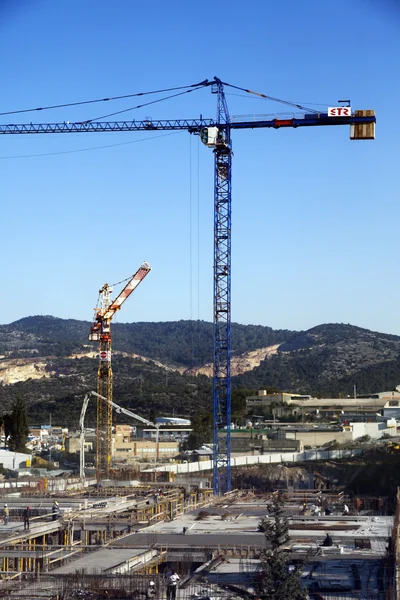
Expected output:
(361, 403)
(178, 434)
(134, 449)
(72, 443)
(318, 435)
(264, 400)
(14, 460)
(125, 447)
(200, 454)
(259, 443)
(173, 421)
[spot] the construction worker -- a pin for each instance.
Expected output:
(171, 585)
(328, 541)
(6, 514)
(55, 510)
(151, 591)
(27, 516)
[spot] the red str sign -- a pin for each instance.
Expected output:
(339, 111)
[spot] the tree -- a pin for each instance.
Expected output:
(238, 403)
(19, 426)
(7, 422)
(275, 526)
(201, 430)
(276, 581)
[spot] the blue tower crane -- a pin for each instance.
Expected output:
(216, 134)
(222, 297)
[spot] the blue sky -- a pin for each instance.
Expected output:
(315, 216)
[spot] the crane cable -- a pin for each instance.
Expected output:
(186, 88)
(119, 112)
(122, 281)
(191, 257)
(69, 104)
(325, 104)
(194, 248)
(287, 102)
(198, 252)
(154, 137)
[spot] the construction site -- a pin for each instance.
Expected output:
(111, 543)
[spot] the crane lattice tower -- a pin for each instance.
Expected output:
(101, 332)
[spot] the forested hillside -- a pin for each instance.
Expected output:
(329, 360)
(179, 343)
(51, 364)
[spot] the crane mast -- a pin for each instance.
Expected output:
(222, 296)
(216, 134)
(101, 332)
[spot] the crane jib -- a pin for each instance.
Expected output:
(190, 125)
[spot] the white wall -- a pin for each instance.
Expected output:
(374, 430)
(14, 460)
(276, 457)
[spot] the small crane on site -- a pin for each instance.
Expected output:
(216, 134)
(100, 331)
(119, 409)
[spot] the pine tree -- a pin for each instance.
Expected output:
(276, 581)
(19, 429)
(275, 526)
(201, 430)
(7, 424)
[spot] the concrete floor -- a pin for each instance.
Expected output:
(99, 561)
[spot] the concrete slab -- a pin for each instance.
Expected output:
(100, 561)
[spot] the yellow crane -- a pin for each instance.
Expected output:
(100, 332)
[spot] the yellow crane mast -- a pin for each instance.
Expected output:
(100, 331)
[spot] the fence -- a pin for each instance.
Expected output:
(99, 587)
(273, 458)
(52, 485)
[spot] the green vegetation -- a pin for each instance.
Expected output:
(184, 343)
(62, 394)
(202, 430)
(16, 426)
(41, 463)
(276, 581)
(326, 361)
(238, 404)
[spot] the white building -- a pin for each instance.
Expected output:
(14, 460)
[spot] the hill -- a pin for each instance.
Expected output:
(166, 366)
(328, 360)
(184, 344)
(50, 362)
